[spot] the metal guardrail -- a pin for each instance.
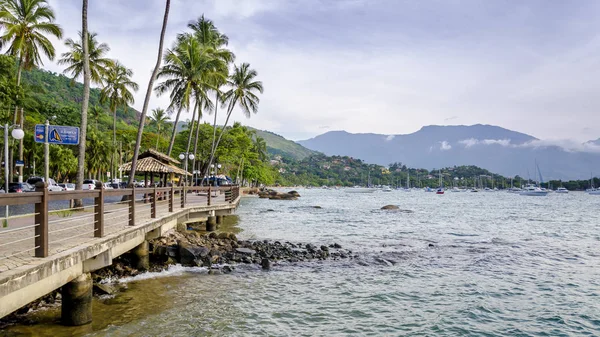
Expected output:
(153, 200)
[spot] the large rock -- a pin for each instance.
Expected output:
(104, 289)
(245, 251)
(390, 207)
(192, 255)
(294, 193)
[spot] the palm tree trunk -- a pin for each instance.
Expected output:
(21, 124)
(138, 142)
(84, 104)
(196, 142)
(157, 137)
(212, 147)
(212, 155)
(174, 131)
(19, 71)
(114, 142)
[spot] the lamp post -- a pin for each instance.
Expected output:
(216, 172)
(17, 133)
(185, 156)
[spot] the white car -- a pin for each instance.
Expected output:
(52, 185)
(67, 186)
(89, 184)
(108, 186)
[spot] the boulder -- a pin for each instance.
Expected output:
(317, 207)
(192, 255)
(223, 236)
(104, 289)
(390, 207)
(232, 237)
(294, 193)
(245, 251)
(265, 264)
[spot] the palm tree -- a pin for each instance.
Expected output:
(149, 92)
(160, 119)
(25, 24)
(209, 36)
(99, 64)
(96, 111)
(242, 92)
(189, 72)
(85, 58)
(117, 93)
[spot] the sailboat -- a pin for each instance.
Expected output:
(532, 190)
(440, 189)
(358, 189)
(592, 190)
(407, 189)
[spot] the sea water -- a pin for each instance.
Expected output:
(468, 264)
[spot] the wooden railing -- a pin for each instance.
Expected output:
(134, 201)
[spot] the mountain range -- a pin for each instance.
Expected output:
(497, 149)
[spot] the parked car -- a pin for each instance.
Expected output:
(108, 186)
(20, 188)
(67, 187)
(89, 184)
(52, 185)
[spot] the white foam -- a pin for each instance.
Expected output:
(172, 270)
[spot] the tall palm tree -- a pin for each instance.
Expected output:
(26, 24)
(188, 73)
(243, 93)
(85, 58)
(73, 59)
(149, 92)
(209, 36)
(117, 93)
(160, 119)
(96, 111)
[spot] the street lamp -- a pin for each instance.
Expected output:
(185, 156)
(17, 133)
(216, 172)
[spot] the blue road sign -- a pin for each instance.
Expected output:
(65, 135)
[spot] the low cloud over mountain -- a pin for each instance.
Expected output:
(497, 149)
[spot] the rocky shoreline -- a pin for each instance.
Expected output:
(219, 253)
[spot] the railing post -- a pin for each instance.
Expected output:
(41, 221)
(230, 194)
(153, 205)
(171, 196)
(209, 196)
(132, 207)
(99, 211)
(182, 196)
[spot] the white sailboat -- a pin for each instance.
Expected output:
(440, 189)
(562, 190)
(532, 190)
(407, 189)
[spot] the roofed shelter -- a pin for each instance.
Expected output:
(153, 162)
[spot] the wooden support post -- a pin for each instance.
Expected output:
(99, 211)
(209, 196)
(153, 205)
(41, 221)
(171, 196)
(132, 207)
(183, 196)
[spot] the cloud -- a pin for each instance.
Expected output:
(390, 138)
(469, 142)
(568, 145)
(445, 146)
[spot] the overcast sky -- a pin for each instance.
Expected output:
(383, 66)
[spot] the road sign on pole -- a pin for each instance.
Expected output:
(57, 134)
